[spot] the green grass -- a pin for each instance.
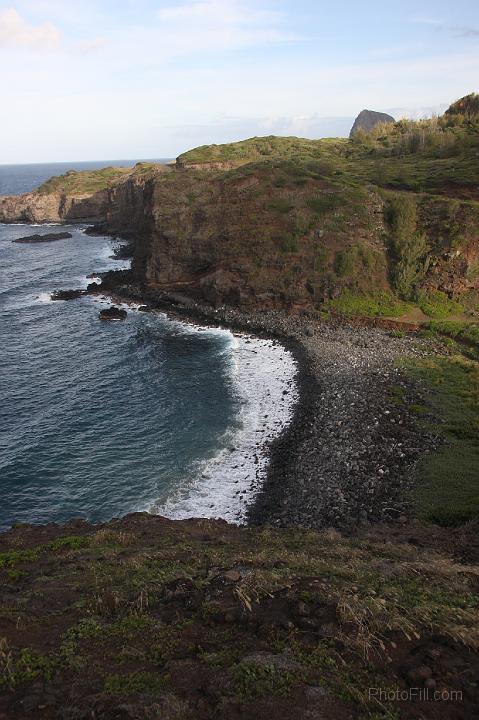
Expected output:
(468, 332)
(378, 305)
(84, 182)
(135, 683)
(437, 305)
(447, 490)
(264, 148)
(256, 681)
(279, 205)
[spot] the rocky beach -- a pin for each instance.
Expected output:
(348, 455)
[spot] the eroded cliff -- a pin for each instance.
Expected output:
(365, 226)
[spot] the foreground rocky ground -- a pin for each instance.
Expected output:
(145, 618)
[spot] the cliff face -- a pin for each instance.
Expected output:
(239, 239)
(37, 207)
(293, 223)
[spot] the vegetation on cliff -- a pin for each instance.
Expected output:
(386, 223)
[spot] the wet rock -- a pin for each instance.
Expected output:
(47, 237)
(67, 294)
(113, 313)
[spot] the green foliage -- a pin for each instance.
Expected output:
(254, 681)
(12, 557)
(447, 490)
(438, 305)
(289, 243)
(408, 247)
(28, 665)
(344, 262)
(135, 683)
(70, 542)
(279, 205)
(379, 305)
(467, 333)
(323, 203)
(270, 148)
(84, 182)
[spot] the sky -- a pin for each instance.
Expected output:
(117, 79)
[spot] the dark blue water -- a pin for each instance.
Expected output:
(17, 179)
(98, 419)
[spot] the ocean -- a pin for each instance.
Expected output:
(98, 419)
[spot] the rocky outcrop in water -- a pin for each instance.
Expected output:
(48, 237)
(67, 294)
(113, 313)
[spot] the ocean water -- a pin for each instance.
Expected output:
(98, 419)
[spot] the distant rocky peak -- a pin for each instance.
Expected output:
(467, 106)
(368, 119)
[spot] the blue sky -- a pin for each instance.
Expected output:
(103, 80)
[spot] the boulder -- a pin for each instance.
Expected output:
(67, 294)
(113, 313)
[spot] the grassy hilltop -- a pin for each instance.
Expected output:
(386, 223)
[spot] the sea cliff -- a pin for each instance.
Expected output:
(352, 592)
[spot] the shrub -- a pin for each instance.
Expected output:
(408, 248)
(437, 305)
(323, 203)
(279, 205)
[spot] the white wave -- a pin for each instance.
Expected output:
(19, 224)
(44, 297)
(225, 484)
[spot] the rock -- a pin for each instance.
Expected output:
(265, 659)
(368, 119)
(303, 609)
(232, 576)
(418, 675)
(48, 237)
(67, 294)
(144, 308)
(113, 313)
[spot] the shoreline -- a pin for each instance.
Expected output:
(347, 455)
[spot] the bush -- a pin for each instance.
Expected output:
(437, 305)
(323, 203)
(408, 248)
(381, 304)
(279, 205)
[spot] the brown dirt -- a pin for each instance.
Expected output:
(147, 618)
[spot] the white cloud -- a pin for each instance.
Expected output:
(16, 32)
(220, 24)
(90, 46)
